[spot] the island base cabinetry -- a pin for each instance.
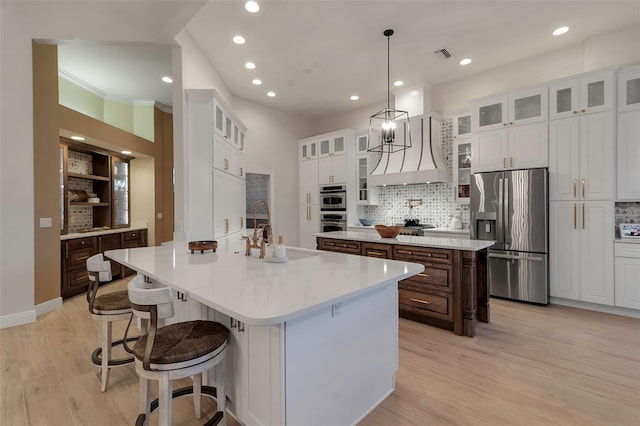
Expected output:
(452, 292)
(309, 362)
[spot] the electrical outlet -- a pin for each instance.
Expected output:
(336, 309)
(159, 215)
(45, 222)
(179, 226)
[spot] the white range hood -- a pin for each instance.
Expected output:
(422, 163)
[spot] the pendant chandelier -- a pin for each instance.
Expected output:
(382, 125)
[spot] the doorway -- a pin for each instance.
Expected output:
(259, 187)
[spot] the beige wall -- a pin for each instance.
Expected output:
(143, 196)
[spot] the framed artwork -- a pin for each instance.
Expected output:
(630, 230)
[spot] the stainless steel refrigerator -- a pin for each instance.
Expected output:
(513, 208)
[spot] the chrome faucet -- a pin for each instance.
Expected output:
(262, 234)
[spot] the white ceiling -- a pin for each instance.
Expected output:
(316, 54)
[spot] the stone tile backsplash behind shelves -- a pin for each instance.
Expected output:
(80, 217)
(626, 212)
(438, 201)
(79, 162)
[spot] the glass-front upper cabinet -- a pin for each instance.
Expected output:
(63, 192)
(308, 150)
(521, 107)
(462, 169)
(120, 196)
(219, 120)
(629, 89)
(462, 125)
(361, 143)
(585, 94)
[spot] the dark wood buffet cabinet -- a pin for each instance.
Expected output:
(451, 293)
(76, 251)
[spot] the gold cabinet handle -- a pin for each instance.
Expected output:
(241, 172)
(241, 222)
(583, 226)
(575, 188)
(226, 226)
(575, 216)
(511, 123)
(510, 162)
(504, 124)
(426, 302)
(226, 164)
(575, 112)
(583, 110)
(504, 162)
(583, 191)
(424, 275)
(376, 253)
(309, 213)
(83, 258)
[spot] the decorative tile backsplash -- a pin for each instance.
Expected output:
(626, 212)
(79, 162)
(80, 217)
(438, 201)
(257, 189)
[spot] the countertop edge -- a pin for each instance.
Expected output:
(77, 235)
(433, 242)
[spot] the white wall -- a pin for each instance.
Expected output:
(272, 146)
(21, 22)
(357, 119)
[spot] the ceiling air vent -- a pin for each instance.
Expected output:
(443, 53)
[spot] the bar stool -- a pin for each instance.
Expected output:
(105, 309)
(173, 352)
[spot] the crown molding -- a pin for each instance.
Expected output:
(83, 84)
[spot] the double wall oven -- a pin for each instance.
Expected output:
(333, 208)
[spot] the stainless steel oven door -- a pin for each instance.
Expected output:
(333, 226)
(335, 201)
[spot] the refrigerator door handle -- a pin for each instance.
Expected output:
(505, 211)
(500, 215)
(512, 257)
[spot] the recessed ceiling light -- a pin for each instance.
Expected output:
(77, 138)
(250, 66)
(257, 81)
(238, 39)
(167, 79)
(252, 6)
(271, 94)
(560, 31)
(465, 61)
(125, 152)
(398, 83)
(355, 97)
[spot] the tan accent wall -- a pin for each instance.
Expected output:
(46, 169)
(49, 118)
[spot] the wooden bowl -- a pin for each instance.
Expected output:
(388, 231)
(201, 246)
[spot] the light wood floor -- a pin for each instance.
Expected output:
(531, 366)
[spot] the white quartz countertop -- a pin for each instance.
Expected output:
(410, 240)
(75, 235)
(260, 293)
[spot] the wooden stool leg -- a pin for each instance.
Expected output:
(145, 399)
(221, 395)
(165, 400)
(197, 395)
(106, 352)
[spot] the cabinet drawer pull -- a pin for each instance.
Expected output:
(83, 258)
(341, 245)
(575, 188)
(426, 302)
(583, 226)
(504, 162)
(133, 235)
(583, 192)
(241, 172)
(376, 252)
(81, 278)
(424, 275)
(226, 226)
(575, 216)
(226, 164)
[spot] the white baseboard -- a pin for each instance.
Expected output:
(48, 306)
(20, 318)
(596, 307)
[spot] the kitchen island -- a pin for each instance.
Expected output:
(314, 341)
(451, 293)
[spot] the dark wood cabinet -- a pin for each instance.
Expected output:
(452, 291)
(76, 251)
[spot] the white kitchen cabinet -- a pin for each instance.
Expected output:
(185, 309)
(215, 168)
(629, 88)
(512, 109)
(628, 170)
(462, 169)
(627, 275)
(583, 94)
(308, 182)
(332, 170)
(332, 144)
(308, 149)
(309, 224)
(582, 157)
(362, 140)
(516, 147)
(366, 195)
(581, 251)
(462, 125)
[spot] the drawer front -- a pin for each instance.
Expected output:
(80, 243)
(381, 251)
(422, 254)
(434, 276)
(341, 246)
(78, 258)
(132, 235)
(109, 242)
(427, 303)
(78, 279)
(627, 250)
